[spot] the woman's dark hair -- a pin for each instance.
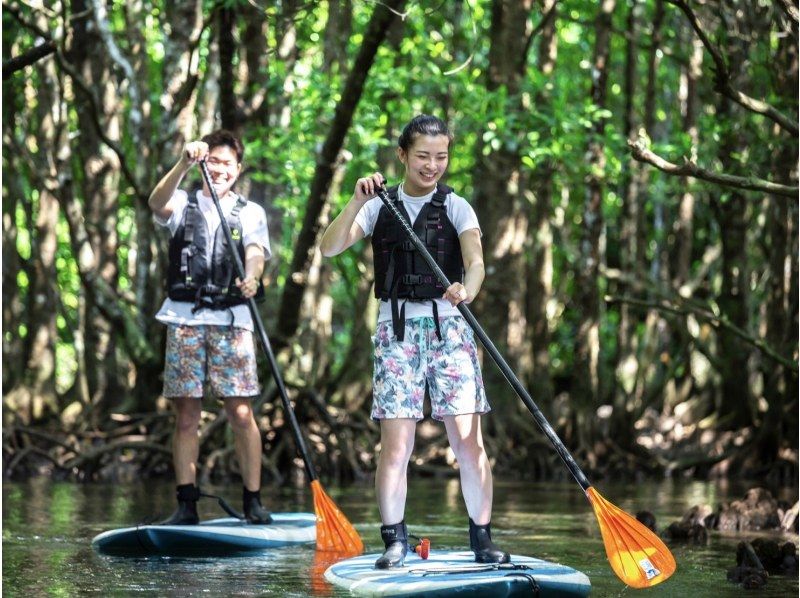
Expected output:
(423, 124)
(225, 137)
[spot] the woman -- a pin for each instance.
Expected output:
(421, 338)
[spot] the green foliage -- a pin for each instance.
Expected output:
(436, 62)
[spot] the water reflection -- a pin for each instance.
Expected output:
(48, 527)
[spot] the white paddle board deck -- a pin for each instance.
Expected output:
(450, 573)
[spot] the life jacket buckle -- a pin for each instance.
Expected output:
(412, 279)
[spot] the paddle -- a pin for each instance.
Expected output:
(637, 555)
(334, 531)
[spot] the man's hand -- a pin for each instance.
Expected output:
(194, 152)
(248, 286)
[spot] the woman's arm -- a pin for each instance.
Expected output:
(474, 273)
(343, 231)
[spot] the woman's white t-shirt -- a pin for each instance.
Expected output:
(460, 214)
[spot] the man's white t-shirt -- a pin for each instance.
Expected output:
(254, 232)
(460, 214)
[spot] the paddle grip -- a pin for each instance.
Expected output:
(262, 333)
(509, 375)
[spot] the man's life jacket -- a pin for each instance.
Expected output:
(400, 272)
(201, 269)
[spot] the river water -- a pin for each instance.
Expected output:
(48, 528)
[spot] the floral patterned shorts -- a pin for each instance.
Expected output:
(224, 357)
(449, 367)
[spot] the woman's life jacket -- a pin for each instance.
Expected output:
(400, 272)
(201, 269)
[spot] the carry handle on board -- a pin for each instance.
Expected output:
(334, 531)
(636, 554)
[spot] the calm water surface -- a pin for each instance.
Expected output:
(48, 527)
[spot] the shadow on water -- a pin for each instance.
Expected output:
(48, 527)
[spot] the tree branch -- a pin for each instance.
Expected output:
(106, 299)
(101, 20)
(790, 9)
(28, 58)
(93, 104)
(722, 77)
(641, 151)
(15, 12)
(715, 321)
(326, 163)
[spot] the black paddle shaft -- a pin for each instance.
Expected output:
(512, 379)
(262, 333)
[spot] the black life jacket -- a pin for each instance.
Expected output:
(192, 276)
(400, 272)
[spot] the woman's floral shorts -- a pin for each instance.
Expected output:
(223, 357)
(449, 367)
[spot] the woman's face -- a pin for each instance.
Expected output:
(425, 161)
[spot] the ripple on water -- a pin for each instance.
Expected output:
(48, 529)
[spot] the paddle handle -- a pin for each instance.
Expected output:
(261, 331)
(487, 343)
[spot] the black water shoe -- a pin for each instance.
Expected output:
(186, 513)
(480, 541)
(254, 511)
(395, 539)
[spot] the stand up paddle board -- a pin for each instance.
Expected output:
(450, 573)
(209, 538)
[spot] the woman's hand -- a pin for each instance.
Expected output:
(367, 187)
(456, 293)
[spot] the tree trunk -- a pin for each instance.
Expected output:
(13, 265)
(289, 312)
(630, 233)
(781, 334)
(337, 34)
(587, 386)
(540, 269)
(648, 343)
(684, 225)
(735, 406)
(502, 209)
(227, 51)
(34, 397)
(99, 181)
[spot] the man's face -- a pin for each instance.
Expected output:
(224, 168)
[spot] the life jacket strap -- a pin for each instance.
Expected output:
(188, 252)
(211, 296)
(436, 319)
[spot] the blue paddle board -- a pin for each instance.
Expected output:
(450, 573)
(209, 538)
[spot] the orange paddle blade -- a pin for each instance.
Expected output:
(322, 561)
(637, 555)
(334, 531)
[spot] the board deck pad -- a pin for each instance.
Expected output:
(209, 538)
(452, 573)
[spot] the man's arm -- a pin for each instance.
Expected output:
(159, 200)
(253, 269)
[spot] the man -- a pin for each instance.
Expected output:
(210, 329)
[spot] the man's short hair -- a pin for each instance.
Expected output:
(225, 137)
